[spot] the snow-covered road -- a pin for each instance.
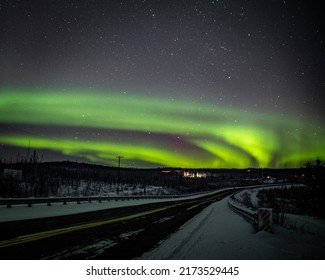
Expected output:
(219, 233)
(215, 233)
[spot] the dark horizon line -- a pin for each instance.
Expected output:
(151, 168)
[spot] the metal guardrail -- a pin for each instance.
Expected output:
(49, 200)
(253, 216)
(45, 200)
(248, 214)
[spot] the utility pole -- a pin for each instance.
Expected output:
(118, 173)
(27, 158)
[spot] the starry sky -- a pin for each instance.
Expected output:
(192, 84)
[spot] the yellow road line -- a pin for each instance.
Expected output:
(54, 232)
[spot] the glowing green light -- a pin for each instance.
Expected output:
(199, 135)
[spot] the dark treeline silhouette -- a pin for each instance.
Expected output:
(308, 200)
(37, 179)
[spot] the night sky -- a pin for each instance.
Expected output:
(204, 84)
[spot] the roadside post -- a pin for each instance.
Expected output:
(265, 219)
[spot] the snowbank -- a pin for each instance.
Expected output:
(218, 233)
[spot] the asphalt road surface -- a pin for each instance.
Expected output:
(119, 233)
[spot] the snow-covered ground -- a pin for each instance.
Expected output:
(250, 195)
(219, 233)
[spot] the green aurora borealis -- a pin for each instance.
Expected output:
(155, 131)
(191, 84)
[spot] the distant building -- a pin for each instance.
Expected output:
(194, 174)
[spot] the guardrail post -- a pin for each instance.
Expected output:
(29, 204)
(265, 219)
(8, 205)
